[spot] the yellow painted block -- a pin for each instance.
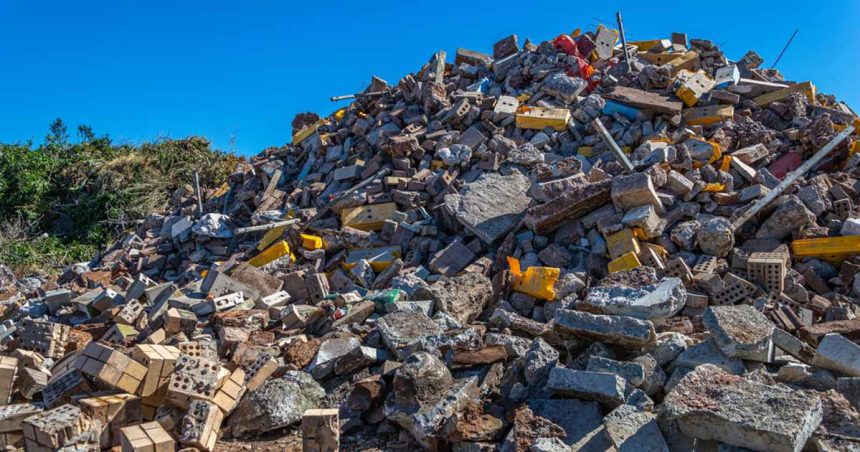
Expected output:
(693, 86)
(708, 115)
(541, 118)
(855, 146)
(687, 61)
(714, 187)
(806, 88)
(222, 190)
(311, 242)
(585, 151)
(306, 132)
(436, 164)
(340, 114)
(628, 261)
(645, 46)
(831, 249)
(379, 258)
(622, 242)
(368, 218)
(659, 59)
(276, 251)
(538, 282)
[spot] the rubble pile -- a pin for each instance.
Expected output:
(571, 245)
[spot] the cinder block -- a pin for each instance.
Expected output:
(54, 429)
(113, 412)
(159, 361)
(194, 378)
(201, 425)
(47, 338)
(111, 367)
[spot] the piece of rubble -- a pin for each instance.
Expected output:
(740, 331)
(652, 302)
(278, 403)
(613, 329)
(710, 404)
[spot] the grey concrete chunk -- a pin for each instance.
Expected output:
(710, 404)
(707, 352)
(603, 387)
(740, 331)
(492, 205)
(578, 418)
(651, 302)
(635, 431)
(462, 297)
(401, 328)
(835, 352)
(630, 371)
(612, 329)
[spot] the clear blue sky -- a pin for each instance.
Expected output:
(237, 72)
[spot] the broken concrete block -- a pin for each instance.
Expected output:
(492, 205)
(61, 427)
(462, 297)
(633, 191)
(710, 404)
(603, 387)
(632, 430)
(835, 352)
(633, 372)
(612, 329)
(740, 331)
(652, 302)
(425, 395)
(278, 403)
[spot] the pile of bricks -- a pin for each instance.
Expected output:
(584, 243)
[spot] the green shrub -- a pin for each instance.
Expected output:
(85, 194)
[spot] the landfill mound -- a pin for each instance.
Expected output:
(581, 244)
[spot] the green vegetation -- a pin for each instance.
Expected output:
(63, 200)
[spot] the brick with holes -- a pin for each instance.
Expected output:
(767, 270)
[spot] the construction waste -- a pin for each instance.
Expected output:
(572, 245)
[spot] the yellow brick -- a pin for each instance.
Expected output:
(659, 59)
(306, 132)
(806, 88)
(644, 46)
(628, 261)
(693, 86)
(585, 151)
(276, 251)
(379, 258)
(622, 242)
(541, 118)
(831, 249)
(311, 242)
(368, 218)
(708, 115)
(688, 61)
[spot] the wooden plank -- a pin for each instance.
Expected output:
(638, 98)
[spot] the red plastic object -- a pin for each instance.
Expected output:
(785, 164)
(567, 45)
